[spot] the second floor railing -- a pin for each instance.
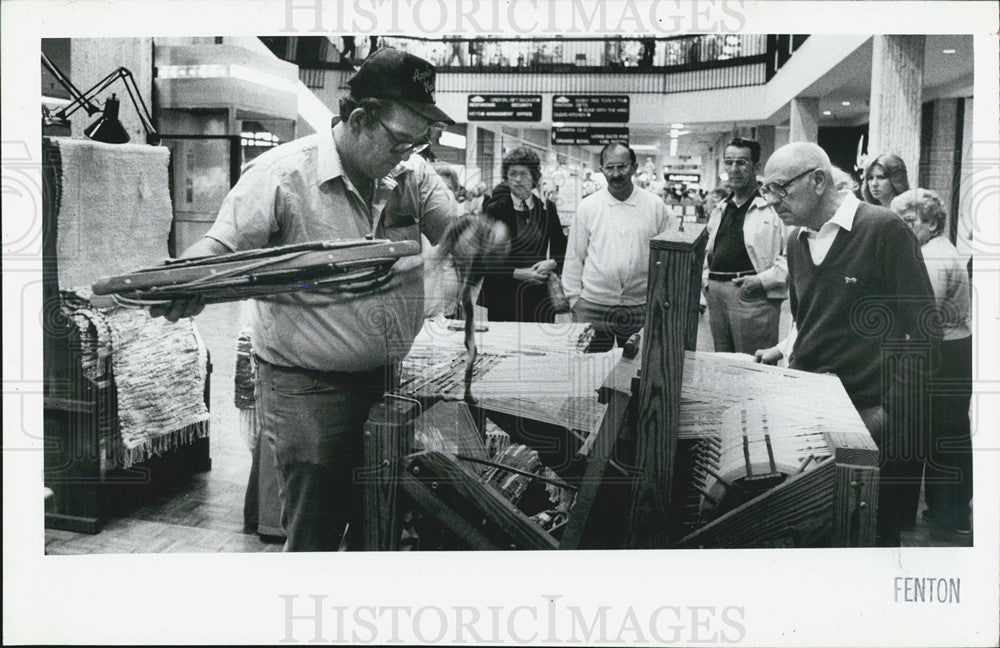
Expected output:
(580, 54)
(639, 65)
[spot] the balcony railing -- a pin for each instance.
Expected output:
(606, 55)
(638, 65)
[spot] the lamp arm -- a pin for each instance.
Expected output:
(133, 93)
(78, 99)
(85, 98)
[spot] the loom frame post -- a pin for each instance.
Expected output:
(388, 438)
(675, 263)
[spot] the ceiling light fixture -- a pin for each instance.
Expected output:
(947, 51)
(845, 103)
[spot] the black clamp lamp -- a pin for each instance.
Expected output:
(107, 128)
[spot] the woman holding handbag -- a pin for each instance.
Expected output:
(518, 290)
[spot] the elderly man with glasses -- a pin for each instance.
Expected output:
(607, 258)
(323, 358)
(745, 264)
(861, 300)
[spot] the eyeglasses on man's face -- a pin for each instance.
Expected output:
(401, 145)
(739, 163)
(777, 191)
(616, 169)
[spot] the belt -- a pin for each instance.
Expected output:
(329, 375)
(729, 276)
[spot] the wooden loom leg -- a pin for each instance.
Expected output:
(855, 506)
(388, 437)
(604, 445)
(670, 298)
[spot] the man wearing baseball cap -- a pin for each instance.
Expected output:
(324, 358)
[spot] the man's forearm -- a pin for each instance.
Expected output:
(776, 276)
(207, 246)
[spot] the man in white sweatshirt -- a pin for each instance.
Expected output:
(607, 260)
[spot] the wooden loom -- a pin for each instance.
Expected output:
(726, 453)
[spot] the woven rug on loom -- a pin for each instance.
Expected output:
(114, 214)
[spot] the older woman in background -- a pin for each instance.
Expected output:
(885, 178)
(518, 289)
(948, 472)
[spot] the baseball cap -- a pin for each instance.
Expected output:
(399, 76)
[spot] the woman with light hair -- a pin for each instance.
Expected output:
(885, 178)
(948, 471)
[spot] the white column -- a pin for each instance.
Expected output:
(804, 120)
(896, 97)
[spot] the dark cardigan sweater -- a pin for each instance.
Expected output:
(869, 297)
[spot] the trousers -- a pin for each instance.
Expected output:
(741, 322)
(948, 472)
(611, 323)
(313, 422)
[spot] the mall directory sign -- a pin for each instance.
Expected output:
(517, 107)
(590, 135)
(590, 108)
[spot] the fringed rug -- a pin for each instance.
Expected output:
(159, 371)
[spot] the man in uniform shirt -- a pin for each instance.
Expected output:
(746, 266)
(323, 357)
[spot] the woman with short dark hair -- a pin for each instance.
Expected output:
(885, 178)
(517, 290)
(948, 472)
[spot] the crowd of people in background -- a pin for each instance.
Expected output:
(879, 182)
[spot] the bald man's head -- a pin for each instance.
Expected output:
(798, 182)
(797, 157)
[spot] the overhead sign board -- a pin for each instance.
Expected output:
(590, 108)
(683, 177)
(589, 135)
(488, 107)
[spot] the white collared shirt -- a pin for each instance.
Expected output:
(524, 205)
(843, 219)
